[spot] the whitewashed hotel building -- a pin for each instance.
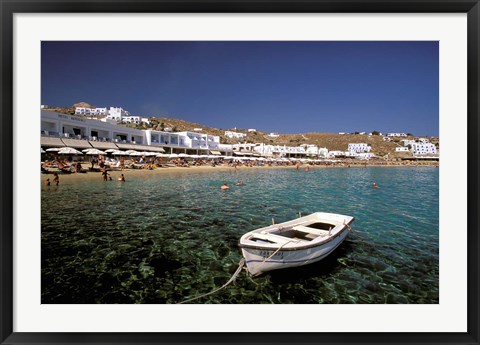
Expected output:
(268, 150)
(424, 148)
(360, 147)
(117, 114)
(59, 130)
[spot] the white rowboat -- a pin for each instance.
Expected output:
(294, 243)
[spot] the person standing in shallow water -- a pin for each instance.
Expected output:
(121, 178)
(104, 174)
(56, 179)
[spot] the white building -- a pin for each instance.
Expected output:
(59, 129)
(251, 130)
(198, 141)
(273, 135)
(70, 127)
(117, 114)
(245, 147)
(359, 147)
(365, 155)
(396, 135)
(131, 119)
(401, 149)
(333, 154)
(135, 119)
(407, 142)
(279, 150)
(423, 140)
(235, 135)
(314, 150)
(424, 149)
(90, 111)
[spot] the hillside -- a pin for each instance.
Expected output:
(332, 141)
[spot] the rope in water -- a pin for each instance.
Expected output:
(231, 280)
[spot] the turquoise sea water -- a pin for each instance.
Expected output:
(164, 238)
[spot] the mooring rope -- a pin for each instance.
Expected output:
(349, 227)
(231, 280)
(275, 252)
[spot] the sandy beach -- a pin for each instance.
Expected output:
(138, 173)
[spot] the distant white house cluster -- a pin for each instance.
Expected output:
(114, 114)
(396, 134)
(235, 135)
(419, 146)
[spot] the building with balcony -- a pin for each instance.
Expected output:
(359, 147)
(117, 114)
(424, 148)
(54, 124)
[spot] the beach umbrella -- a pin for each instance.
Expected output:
(150, 153)
(135, 153)
(54, 149)
(118, 153)
(183, 155)
(69, 151)
(42, 150)
(228, 157)
(109, 150)
(130, 151)
(194, 156)
(162, 155)
(173, 155)
(93, 152)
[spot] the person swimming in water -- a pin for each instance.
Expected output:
(224, 186)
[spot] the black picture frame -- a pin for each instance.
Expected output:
(11, 7)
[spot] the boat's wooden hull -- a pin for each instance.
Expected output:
(261, 260)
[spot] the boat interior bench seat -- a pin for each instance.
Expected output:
(312, 231)
(272, 238)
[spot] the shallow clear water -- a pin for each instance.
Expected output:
(164, 238)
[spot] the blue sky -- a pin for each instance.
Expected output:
(284, 87)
